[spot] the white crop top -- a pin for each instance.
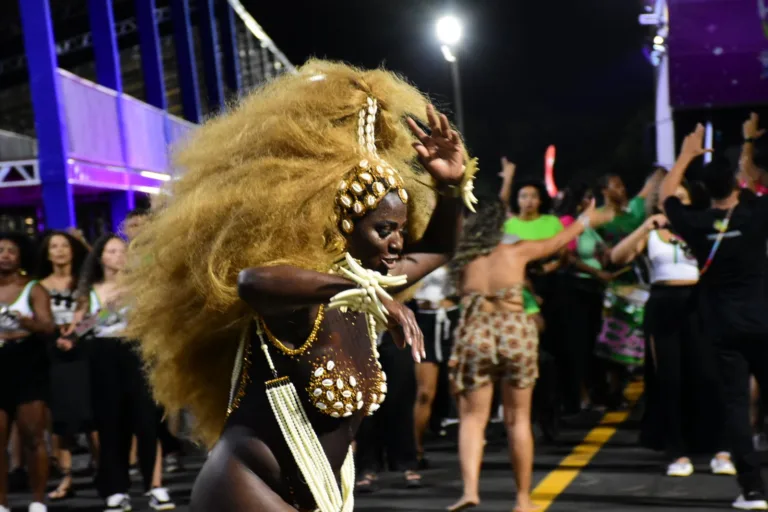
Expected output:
(111, 322)
(20, 307)
(436, 287)
(669, 261)
(63, 306)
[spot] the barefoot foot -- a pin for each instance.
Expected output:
(526, 506)
(465, 503)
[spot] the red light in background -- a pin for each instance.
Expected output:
(549, 171)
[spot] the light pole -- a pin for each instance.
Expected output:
(449, 32)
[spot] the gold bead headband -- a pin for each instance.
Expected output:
(363, 189)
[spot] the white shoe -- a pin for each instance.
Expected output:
(4, 509)
(37, 507)
(680, 469)
(753, 501)
(722, 466)
(160, 500)
(118, 503)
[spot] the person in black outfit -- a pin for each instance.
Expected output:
(729, 242)
(385, 440)
(122, 400)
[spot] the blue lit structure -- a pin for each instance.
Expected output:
(93, 138)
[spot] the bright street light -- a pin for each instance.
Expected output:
(449, 30)
(447, 53)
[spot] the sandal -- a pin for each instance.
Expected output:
(412, 480)
(367, 484)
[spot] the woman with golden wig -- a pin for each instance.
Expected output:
(258, 286)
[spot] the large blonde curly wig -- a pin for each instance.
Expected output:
(257, 188)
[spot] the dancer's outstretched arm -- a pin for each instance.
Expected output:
(274, 290)
(538, 249)
(282, 289)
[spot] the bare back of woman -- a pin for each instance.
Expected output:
(497, 341)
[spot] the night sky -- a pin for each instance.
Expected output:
(534, 73)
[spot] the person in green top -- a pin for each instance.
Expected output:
(530, 219)
(629, 214)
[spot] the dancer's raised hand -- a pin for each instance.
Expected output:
(441, 152)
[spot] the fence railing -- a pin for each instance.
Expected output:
(108, 128)
(14, 146)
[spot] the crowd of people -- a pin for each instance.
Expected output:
(65, 371)
(273, 289)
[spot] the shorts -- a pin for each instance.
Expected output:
(438, 326)
(491, 346)
(24, 376)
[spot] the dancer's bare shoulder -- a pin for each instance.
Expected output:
(501, 268)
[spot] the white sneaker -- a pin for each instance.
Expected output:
(680, 469)
(160, 500)
(118, 503)
(753, 501)
(722, 466)
(37, 507)
(4, 509)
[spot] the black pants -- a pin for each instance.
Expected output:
(389, 433)
(580, 320)
(686, 381)
(122, 405)
(169, 443)
(738, 356)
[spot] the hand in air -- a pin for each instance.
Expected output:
(693, 145)
(441, 152)
(507, 170)
(598, 217)
(750, 128)
(404, 329)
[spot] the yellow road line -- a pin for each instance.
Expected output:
(561, 477)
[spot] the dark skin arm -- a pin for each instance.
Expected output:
(41, 322)
(275, 290)
(442, 155)
(286, 291)
(437, 246)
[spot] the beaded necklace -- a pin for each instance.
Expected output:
(304, 346)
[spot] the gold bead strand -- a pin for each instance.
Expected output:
(304, 346)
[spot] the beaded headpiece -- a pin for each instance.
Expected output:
(372, 179)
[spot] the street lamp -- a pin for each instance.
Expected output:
(449, 32)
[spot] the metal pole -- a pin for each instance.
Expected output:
(457, 95)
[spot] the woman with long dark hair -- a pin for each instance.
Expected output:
(122, 402)
(60, 260)
(25, 325)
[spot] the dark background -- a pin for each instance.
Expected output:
(533, 73)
